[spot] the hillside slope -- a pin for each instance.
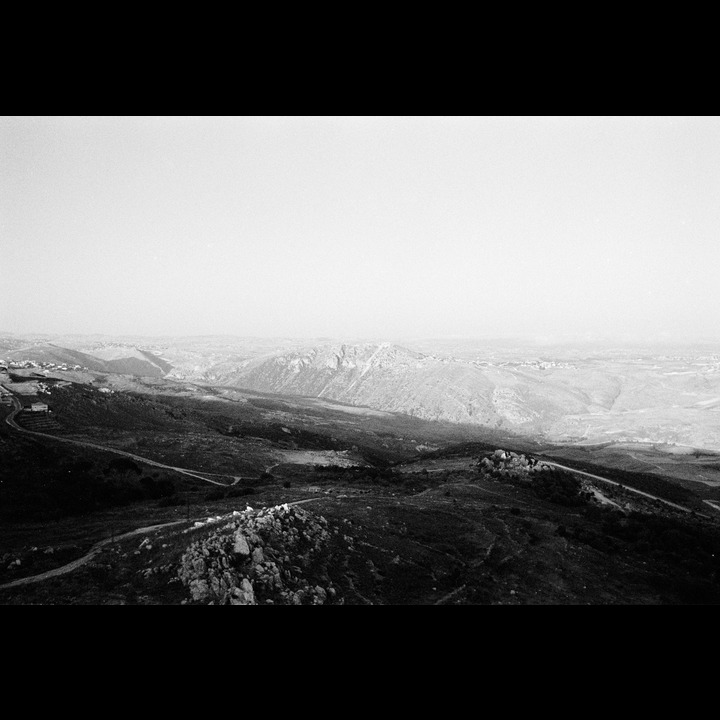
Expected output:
(390, 377)
(49, 353)
(593, 398)
(126, 361)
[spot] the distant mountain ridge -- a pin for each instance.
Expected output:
(394, 378)
(612, 395)
(598, 399)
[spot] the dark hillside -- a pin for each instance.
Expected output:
(133, 366)
(165, 366)
(49, 353)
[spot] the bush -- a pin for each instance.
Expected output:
(169, 502)
(124, 465)
(155, 489)
(240, 492)
(558, 487)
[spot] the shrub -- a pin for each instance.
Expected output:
(169, 501)
(558, 487)
(239, 492)
(124, 465)
(157, 489)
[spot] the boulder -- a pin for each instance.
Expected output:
(241, 546)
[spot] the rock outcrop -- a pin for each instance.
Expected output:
(511, 465)
(274, 555)
(548, 482)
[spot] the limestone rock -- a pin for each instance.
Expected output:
(273, 555)
(241, 546)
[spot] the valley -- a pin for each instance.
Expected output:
(568, 394)
(359, 360)
(104, 494)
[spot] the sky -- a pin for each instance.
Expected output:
(554, 228)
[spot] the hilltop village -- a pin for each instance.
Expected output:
(30, 364)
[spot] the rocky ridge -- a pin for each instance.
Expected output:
(505, 464)
(277, 555)
(550, 483)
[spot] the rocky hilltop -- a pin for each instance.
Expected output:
(277, 555)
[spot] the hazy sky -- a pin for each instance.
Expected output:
(370, 227)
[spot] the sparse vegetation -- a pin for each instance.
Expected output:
(425, 525)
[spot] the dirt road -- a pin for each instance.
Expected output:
(75, 564)
(626, 487)
(10, 420)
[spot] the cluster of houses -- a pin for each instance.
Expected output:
(536, 364)
(5, 395)
(23, 364)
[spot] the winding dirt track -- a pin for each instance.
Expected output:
(95, 549)
(627, 487)
(10, 420)
(75, 564)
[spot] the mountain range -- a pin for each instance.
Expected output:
(575, 397)
(665, 399)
